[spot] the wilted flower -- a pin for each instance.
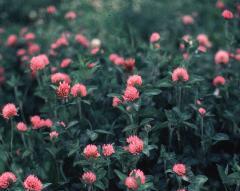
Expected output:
(63, 90)
(32, 183)
(129, 64)
(89, 177)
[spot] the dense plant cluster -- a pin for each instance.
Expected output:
(120, 95)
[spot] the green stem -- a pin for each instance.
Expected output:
(11, 144)
(79, 108)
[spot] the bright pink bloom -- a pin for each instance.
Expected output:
(131, 94)
(226, 14)
(221, 57)
(129, 64)
(108, 150)
(116, 101)
(65, 62)
(9, 110)
(6, 180)
(81, 39)
(63, 90)
(202, 49)
(91, 151)
(202, 111)
(180, 74)
(131, 183)
(39, 62)
(91, 65)
(154, 37)
(219, 80)
(179, 169)
(62, 41)
(12, 40)
(89, 177)
(21, 127)
(53, 134)
(187, 20)
(32, 183)
(79, 90)
(47, 123)
(60, 77)
(71, 15)
(135, 144)
(181, 190)
(134, 80)
(51, 9)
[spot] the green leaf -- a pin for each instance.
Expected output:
(100, 185)
(220, 137)
(92, 135)
(72, 123)
(197, 183)
(120, 175)
(152, 92)
(145, 121)
(103, 132)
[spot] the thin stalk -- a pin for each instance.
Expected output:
(79, 108)
(202, 135)
(11, 144)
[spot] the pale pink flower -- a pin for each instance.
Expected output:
(202, 111)
(116, 101)
(221, 57)
(108, 149)
(135, 144)
(79, 90)
(134, 80)
(32, 183)
(130, 94)
(187, 20)
(9, 110)
(180, 74)
(81, 39)
(21, 127)
(12, 40)
(91, 151)
(154, 37)
(6, 180)
(60, 77)
(89, 177)
(219, 80)
(131, 183)
(65, 62)
(53, 134)
(71, 15)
